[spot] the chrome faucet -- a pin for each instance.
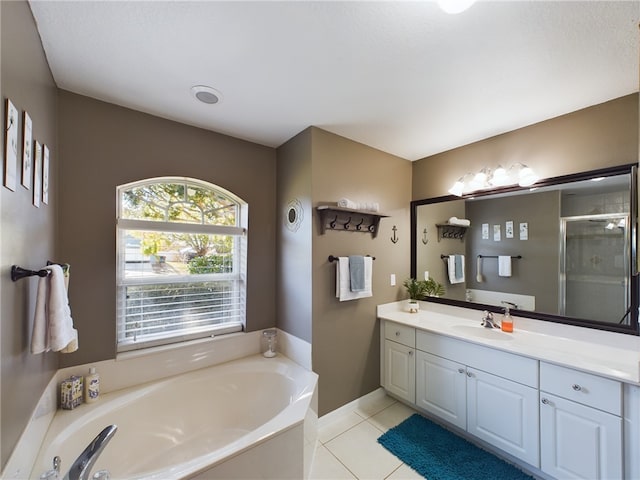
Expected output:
(81, 468)
(487, 320)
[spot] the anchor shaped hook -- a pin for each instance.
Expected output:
(425, 240)
(395, 238)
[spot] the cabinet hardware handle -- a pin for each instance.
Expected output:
(545, 401)
(461, 370)
(576, 387)
(410, 352)
(469, 374)
(397, 334)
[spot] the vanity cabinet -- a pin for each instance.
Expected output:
(399, 364)
(580, 424)
(477, 389)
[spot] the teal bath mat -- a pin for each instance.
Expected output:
(437, 454)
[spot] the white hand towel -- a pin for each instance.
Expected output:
(52, 323)
(455, 267)
(343, 280)
(504, 265)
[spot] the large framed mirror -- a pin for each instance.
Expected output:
(563, 250)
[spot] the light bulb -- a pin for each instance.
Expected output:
(457, 189)
(500, 177)
(527, 177)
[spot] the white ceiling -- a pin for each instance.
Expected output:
(403, 77)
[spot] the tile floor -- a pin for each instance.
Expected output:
(347, 442)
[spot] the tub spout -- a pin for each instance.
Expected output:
(81, 468)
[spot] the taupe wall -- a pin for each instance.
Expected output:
(600, 136)
(346, 343)
(295, 293)
(540, 253)
(103, 146)
(428, 255)
(27, 233)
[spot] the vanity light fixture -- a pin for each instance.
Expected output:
(517, 173)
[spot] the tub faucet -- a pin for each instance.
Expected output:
(81, 468)
(487, 320)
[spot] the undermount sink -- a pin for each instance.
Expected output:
(480, 331)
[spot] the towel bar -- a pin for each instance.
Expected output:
(18, 273)
(333, 258)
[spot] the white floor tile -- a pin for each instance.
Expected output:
(327, 467)
(338, 425)
(405, 473)
(360, 452)
(370, 407)
(391, 416)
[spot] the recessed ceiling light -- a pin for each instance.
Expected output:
(206, 94)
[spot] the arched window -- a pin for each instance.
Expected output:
(181, 261)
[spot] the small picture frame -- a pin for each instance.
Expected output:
(37, 174)
(485, 231)
(524, 231)
(10, 145)
(45, 175)
(27, 150)
(497, 233)
(508, 229)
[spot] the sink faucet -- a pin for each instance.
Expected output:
(81, 468)
(487, 320)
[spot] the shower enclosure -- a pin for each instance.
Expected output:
(594, 267)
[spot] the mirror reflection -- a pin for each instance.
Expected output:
(561, 251)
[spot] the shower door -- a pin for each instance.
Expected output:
(594, 268)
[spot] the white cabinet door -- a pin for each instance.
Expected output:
(441, 388)
(579, 441)
(400, 370)
(504, 414)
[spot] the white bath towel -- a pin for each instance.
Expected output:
(343, 280)
(346, 203)
(463, 222)
(455, 264)
(504, 265)
(52, 323)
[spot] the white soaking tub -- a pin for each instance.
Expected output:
(249, 418)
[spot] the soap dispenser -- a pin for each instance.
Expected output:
(507, 320)
(91, 386)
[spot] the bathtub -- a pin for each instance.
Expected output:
(249, 418)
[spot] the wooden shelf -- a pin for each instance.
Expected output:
(446, 230)
(348, 220)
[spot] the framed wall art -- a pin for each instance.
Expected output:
(45, 175)
(10, 146)
(27, 150)
(37, 174)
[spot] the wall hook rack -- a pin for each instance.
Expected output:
(331, 218)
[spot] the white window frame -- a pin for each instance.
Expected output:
(239, 232)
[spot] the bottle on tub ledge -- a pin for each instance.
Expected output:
(269, 342)
(91, 386)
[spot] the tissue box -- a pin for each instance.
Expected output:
(71, 392)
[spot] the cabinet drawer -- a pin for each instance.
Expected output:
(400, 333)
(581, 387)
(507, 365)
